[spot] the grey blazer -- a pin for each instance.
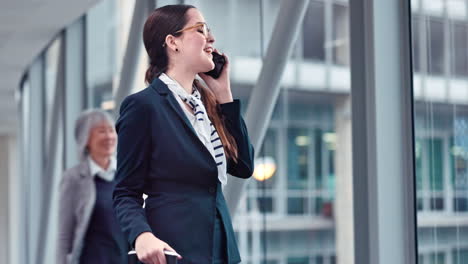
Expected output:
(77, 199)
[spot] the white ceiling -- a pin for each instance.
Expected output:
(26, 27)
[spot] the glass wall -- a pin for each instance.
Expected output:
(297, 209)
(77, 70)
(440, 35)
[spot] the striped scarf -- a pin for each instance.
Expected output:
(205, 130)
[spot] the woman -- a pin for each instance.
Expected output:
(88, 230)
(177, 142)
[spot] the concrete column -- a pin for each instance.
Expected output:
(8, 192)
(382, 129)
(4, 199)
(343, 207)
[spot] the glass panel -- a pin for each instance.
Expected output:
(459, 158)
(296, 206)
(440, 41)
(340, 34)
(435, 164)
(456, 8)
(298, 155)
(416, 45)
(437, 258)
(101, 54)
(460, 256)
(265, 204)
(51, 57)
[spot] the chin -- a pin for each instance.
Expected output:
(108, 152)
(207, 65)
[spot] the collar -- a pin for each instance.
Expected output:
(174, 86)
(107, 175)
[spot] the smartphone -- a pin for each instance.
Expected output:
(171, 257)
(219, 62)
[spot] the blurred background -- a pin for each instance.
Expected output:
(57, 59)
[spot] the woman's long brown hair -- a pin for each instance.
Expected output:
(162, 22)
(213, 110)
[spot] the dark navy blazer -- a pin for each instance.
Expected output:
(159, 154)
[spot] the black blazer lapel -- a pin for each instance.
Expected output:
(162, 89)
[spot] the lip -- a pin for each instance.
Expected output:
(209, 50)
(108, 145)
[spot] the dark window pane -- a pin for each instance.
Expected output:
(460, 256)
(435, 49)
(420, 204)
(317, 260)
(298, 260)
(265, 204)
(434, 147)
(460, 50)
(437, 258)
(298, 155)
(318, 205)
(318, 138)
(296, 205)
(460, 205)
(314, 32)
(437, 204)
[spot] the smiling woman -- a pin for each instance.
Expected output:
(175, 121)
(88, 230)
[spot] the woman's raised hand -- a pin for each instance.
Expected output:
(150, 249)
(220, 87)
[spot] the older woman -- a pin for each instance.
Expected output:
(88, 230)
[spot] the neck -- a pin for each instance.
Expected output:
(184, 78)
(102, 161)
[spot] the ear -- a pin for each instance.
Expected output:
(172, 43)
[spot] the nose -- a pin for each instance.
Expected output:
(111, 135)
(210, 38)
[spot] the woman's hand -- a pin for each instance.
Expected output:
(150, 249)
(220, 87)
